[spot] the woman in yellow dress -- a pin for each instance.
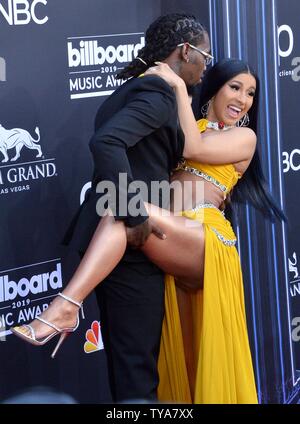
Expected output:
(205, 355)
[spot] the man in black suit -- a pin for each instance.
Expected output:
(137, 134)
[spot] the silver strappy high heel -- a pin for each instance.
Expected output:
(64, 332)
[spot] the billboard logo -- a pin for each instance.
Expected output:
(93, 337)
(94, 62)
(36, 284)
(293, 269)
(292, 266)
(18, 138)
(291, 161)
(286, 44)
(25, 290)
(91, 53)
(22, 12)
(2, 69)
(285, 29)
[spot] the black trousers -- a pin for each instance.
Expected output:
(131, 302)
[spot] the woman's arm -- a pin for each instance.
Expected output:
(231, 146)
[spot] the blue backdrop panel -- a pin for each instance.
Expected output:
(58, 62)
(289, 86)
(249, 29)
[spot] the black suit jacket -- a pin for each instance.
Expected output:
(136, 133)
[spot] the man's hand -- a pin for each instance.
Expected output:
(137, 236)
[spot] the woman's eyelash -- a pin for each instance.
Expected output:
(236, 87)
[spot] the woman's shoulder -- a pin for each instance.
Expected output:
(242, 135)
(244, 132)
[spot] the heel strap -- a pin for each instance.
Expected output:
(70, 300)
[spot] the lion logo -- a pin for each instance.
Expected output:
(18, 138)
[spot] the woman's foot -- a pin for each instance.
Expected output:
(61, 313)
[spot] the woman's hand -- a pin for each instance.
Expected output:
(164, 71)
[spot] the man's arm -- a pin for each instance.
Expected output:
(146, 111)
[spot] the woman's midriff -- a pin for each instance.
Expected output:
(189, 190)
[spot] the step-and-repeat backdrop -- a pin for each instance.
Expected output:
(58, 62)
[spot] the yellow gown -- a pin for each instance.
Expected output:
(221, 352)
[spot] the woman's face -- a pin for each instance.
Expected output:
(233, 100)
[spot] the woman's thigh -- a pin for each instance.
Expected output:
(182, 253)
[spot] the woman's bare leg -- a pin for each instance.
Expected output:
(104, 252)
(181, 254)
